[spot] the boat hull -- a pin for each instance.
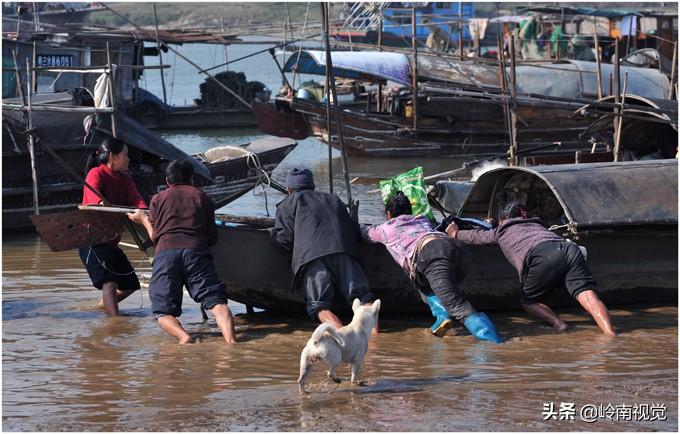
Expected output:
(630, 267)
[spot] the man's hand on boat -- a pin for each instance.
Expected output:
(141, 216)
(452, 230)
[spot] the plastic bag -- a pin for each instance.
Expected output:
(410, 183)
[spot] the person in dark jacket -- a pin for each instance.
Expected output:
(324, 240)
(181, 223)
(544, 260)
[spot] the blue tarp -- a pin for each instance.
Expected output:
(353, 64)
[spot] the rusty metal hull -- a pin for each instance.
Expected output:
(630, 267)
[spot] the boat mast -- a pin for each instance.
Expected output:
(331, 79)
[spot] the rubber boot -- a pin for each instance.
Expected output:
(443, 321)
(482, 328)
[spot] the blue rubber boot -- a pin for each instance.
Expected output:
(482, 328)
(443, 321)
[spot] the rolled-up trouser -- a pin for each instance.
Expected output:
(323, 277)
(440, 266)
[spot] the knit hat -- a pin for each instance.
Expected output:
(300, 179)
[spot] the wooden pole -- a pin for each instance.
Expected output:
(329, 123)
(504, 87)
(378, 100)
(329, 67)
(617, 79)
(114, 129)
(160, 55)
(31, 142)
(619, 127)
(20, 84)
(460, 30)
(414, 81)
(34, 78)
(226, 46)
(675, 59)
(597, 61)
(513, 115)
(630, 34)
(278, 65)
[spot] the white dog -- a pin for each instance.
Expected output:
(349, 344)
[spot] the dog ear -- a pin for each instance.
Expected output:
(355, 304)
(376, 306)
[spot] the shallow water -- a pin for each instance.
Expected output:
(66, 367)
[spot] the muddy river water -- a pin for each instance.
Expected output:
(67, 367)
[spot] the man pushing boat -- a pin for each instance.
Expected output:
(544, 260)
(324, 240)
(181, 223)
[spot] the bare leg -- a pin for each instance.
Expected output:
(225, 322)
(594, 306)
(121, 294)
(172, 326)
(544, 313)
(329, 317)
(109, 300)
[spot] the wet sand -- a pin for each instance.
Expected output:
(67, 367)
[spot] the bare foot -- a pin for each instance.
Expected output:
(100, 304)
(186, 340)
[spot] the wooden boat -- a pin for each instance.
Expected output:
(460, 106)
(225, 173)
(625, 214)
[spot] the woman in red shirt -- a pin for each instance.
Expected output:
(107, 265)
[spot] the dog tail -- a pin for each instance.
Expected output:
(332, 332)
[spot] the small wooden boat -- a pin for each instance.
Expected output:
(625, 214)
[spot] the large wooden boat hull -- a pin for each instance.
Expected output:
(625, 214)
(257, 273)
(192, 118)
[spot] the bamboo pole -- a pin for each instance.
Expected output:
(56, 108)
(160, 55)
(34, 78)
(378, 102)
(460, 30)
(630, 34)
(597, 61)
(226, 46)
(20, 84)
(513, 115)
(675, 59)
(114, 129)
(414, 44)
(329, 123)
(617, 142)
(31, 143)
(331, 78)
(617, 78)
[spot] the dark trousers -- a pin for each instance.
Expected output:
(440, 266)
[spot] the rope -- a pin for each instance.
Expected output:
(263, 178)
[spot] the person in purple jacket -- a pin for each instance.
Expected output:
(435, 263)
(181, 223)
(544, 260)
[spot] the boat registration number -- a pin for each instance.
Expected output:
(54, 60)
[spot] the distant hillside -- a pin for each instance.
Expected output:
(194, 14)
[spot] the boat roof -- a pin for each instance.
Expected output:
(353, 64)
(578, 78)
(596, 194)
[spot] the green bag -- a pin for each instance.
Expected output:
(410, 183)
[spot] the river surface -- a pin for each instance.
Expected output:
(67, 367)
